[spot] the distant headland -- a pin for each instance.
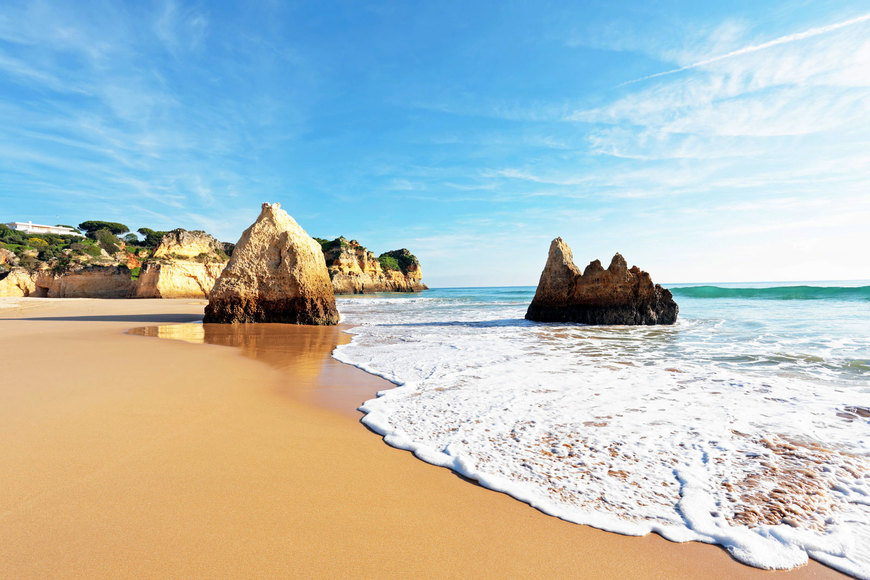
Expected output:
(102, 259)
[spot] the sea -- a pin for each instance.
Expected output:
(745, 424)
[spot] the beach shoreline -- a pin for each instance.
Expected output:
(127, 456)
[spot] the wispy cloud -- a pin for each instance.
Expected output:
(788, 38)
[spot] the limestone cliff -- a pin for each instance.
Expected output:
(183, 244)
(355, 270)
(617, 295)
(277, 273)
(18, 282)
(186, 264)
(90, 282)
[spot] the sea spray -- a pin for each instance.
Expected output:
(731, 427)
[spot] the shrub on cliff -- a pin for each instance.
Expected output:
(327, 245)
(398, 260)
(61, 265)
(388, 262)
(107, 240)
(152, 237)
(85, 247)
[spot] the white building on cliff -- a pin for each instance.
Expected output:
(32, 228)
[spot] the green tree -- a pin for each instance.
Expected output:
(152, 237)
(92, 226)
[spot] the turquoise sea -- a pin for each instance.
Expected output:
(745, 424)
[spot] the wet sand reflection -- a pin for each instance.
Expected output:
(303, 353)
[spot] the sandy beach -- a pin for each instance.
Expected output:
(130, 456)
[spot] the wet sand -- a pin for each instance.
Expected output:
(130, 456)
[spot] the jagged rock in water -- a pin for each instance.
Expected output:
(617, 295)
(277, 273)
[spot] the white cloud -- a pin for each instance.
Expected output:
(788, 38)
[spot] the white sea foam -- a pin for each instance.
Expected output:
(684, 430)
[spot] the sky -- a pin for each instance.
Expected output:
(705, 141)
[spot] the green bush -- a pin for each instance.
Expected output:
(61, 266)
(107, 240)
(152, 237)
(134, 273)
(85, 247)
(327, 245)
(388, 262)
(399, 260)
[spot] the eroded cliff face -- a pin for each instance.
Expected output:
(617, 295)
(183, 244)
(178, 279)
(186, 264)
(355, 270)
(89, 282)
(17, 283)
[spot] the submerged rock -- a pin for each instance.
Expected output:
(617, 295)
(277, 273)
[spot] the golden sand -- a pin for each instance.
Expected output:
(129, 456)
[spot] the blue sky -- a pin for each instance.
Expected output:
(725, 141)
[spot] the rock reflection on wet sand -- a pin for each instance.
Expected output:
(302, 353)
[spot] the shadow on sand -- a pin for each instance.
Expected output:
(134, 318)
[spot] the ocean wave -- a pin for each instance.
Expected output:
(740, 426)
(776, 293)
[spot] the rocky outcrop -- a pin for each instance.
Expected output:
(617, 295)
(91, 282)
(8, 258)
(277, 273)
(178, 279)
(18, 283)
(186, 264)
(183, 244)
(355, 270)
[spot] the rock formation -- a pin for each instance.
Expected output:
(17, 282)
(186, 264)
(8, 258)
(277, 273)
(355, 270)
(617, 295)
(184, 244)
(89, 282)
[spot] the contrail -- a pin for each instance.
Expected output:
(756, 47)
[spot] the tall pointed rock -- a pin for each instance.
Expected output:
(276, 274)
(617, 295)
